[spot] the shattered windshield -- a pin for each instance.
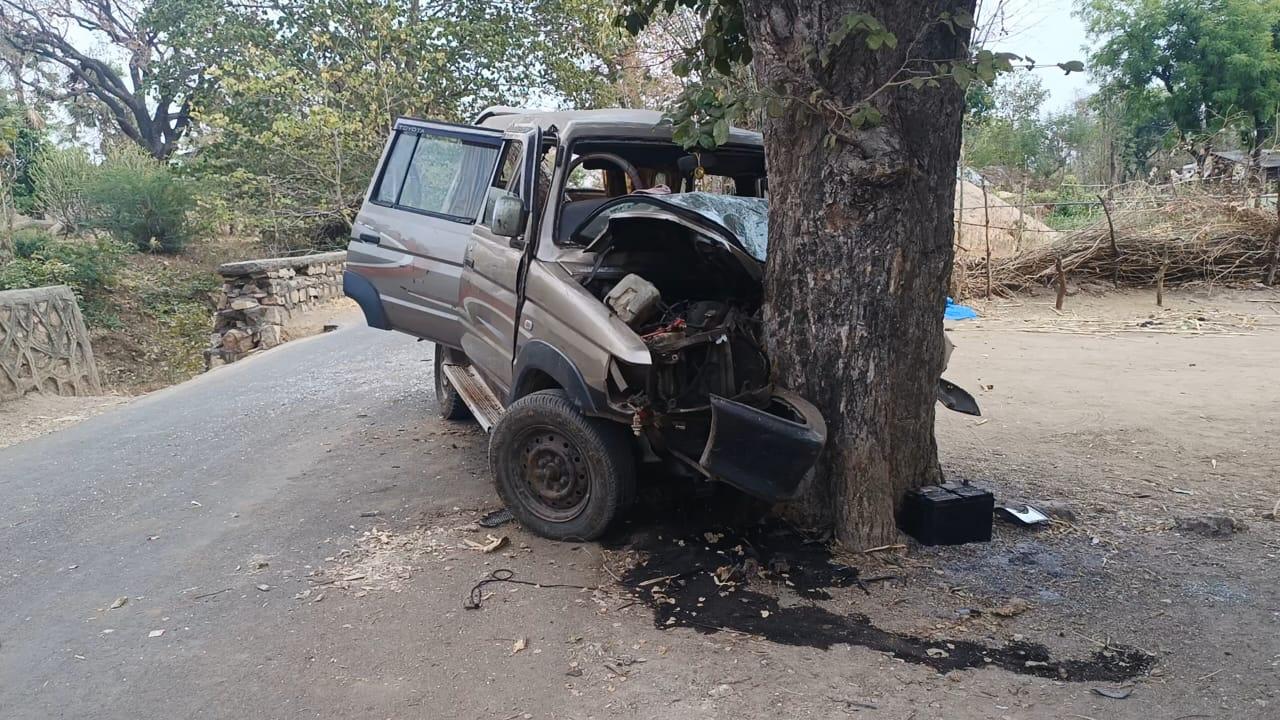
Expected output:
(746, 217)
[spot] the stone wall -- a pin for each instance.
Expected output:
(259, 298)
(44, 346)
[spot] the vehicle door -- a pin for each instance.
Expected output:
(411, 234)
(493, 263)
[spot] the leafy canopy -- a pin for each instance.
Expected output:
(1212, 63)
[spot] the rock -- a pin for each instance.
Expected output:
(270, 336)
(1214, 526)
(720, 691)
(236, 340)
(1057, 509)
(243, 303)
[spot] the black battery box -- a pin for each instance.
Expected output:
(947, 514)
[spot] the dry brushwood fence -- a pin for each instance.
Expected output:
(1182, 241)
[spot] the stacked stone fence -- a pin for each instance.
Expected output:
(44, 345)
(259, 298)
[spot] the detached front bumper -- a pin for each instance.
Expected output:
(764, 452)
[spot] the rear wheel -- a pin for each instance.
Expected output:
(563, 475)
(447, 398)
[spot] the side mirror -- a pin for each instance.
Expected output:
(508, 216)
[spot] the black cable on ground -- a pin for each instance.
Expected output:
(503, 575)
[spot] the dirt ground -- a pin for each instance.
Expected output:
(35, 415)
(1110, 612)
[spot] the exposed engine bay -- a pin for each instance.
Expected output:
(694, 306)
(706, 400)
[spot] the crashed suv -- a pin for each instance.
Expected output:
(594, 294)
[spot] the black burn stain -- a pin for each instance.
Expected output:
(706, 582)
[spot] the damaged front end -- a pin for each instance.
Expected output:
(693, 296)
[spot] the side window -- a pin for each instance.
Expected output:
(393, 174)
(437, 175)
(506, 181)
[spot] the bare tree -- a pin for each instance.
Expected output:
(149, 99)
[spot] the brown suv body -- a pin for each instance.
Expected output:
(587, 254)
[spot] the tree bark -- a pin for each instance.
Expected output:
(860, 249)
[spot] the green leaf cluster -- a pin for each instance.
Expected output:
(1205, 65)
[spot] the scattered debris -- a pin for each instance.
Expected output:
(494, 544)
(263, 587)
(370, 513)
(1113, 693)
(520, 644)
(155, 633)
(1215, 526)
(497, 518)
(729, 585)
(1026, 516)
(937, 653)
(119, 602)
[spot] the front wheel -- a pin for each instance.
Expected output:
(563, 475)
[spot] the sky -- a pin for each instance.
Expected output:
(1048, 32)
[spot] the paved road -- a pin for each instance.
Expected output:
(182, 493)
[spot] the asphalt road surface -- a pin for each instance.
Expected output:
(189, 491)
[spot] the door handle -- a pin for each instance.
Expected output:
(468, 261)
(369, 238)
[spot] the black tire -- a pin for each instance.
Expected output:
(447, 398)
(564, 475)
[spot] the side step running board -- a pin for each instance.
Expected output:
(475, 392)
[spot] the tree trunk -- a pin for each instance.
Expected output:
(860, 250)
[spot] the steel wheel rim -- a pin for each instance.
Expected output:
(553, 479)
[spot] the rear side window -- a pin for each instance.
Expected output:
(397, 163)
(437, 175)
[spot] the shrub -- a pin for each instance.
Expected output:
(60, 176)
(140, 201)
(29, 241)
(88, 267)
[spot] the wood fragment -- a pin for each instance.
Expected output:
(1115, 249)
(1062, 284)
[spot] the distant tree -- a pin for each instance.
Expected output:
(303, 107)
(1008, 130)
(149, 98)
(1204, 65)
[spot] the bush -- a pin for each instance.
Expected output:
(88, 267)
(60, 176)
(140, 201)
(29, 241)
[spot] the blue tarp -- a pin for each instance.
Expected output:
(958, 312)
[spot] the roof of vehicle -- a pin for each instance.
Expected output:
(605, 122)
